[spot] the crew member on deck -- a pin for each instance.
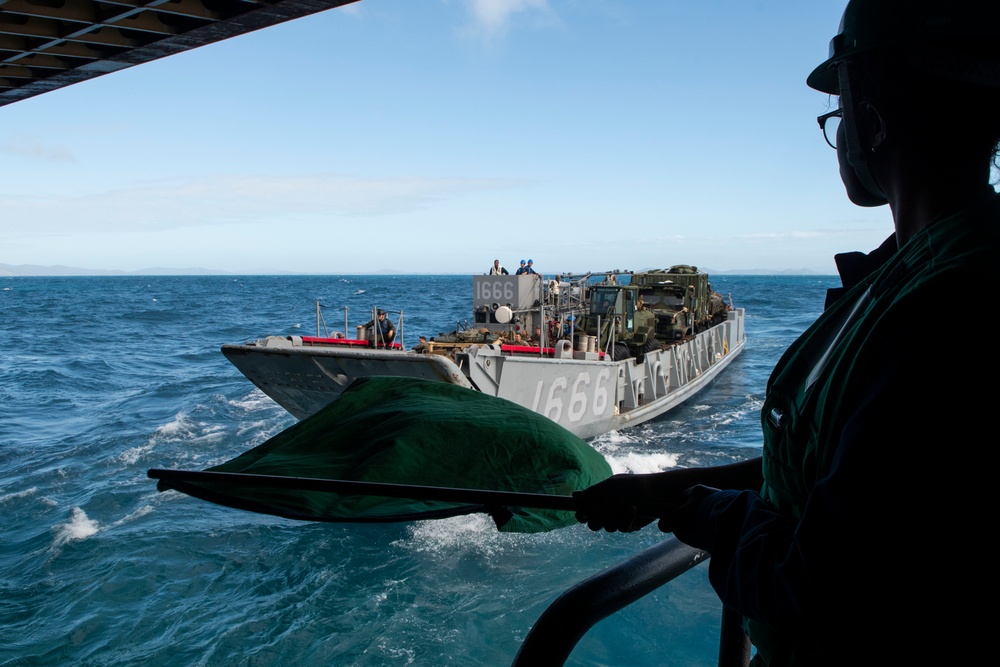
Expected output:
(554, 291)
(497, 269)
(841, 544)
(385, 332)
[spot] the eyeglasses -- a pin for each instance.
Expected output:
(829, 122)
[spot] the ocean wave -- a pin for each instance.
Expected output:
(180, 428)
(79, 527)
(472, 532)
(18, 494)
(132, 456)
(184, 429)
(639, 463)
(132, 516)
(253, 402)
(612, 441)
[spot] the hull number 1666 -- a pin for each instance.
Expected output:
(577, 397)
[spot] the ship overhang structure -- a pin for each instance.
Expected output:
(50, 44)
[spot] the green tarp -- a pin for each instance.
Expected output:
(409, 431)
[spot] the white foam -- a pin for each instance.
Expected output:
(612, 439)
(643, 463)
(254, 401)
(408, 655)
(79, 527)
(620, 451)
(141, 512)
(474, 532)
(131, 456)
(18, 494)
(254, 427)
(211, 432)
(180, 428)
(184, 429)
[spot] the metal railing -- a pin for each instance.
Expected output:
(557, 631)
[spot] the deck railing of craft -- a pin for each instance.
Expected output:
(573, 613)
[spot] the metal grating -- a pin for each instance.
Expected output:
(49, 44)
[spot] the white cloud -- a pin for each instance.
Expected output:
(181, 203)
(493, 17)
(33, 147)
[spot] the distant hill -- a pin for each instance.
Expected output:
(36, 270)
(765, 272)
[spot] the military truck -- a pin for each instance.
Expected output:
(682, 300)
(616, 318)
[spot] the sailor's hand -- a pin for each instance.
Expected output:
(679, 518)
(627, 503)
(613, 505)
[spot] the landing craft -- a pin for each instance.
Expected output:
(600, 360)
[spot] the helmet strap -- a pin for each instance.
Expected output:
(856, 155)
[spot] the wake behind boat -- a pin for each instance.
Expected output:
(593, 353)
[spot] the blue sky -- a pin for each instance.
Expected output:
(433, 136)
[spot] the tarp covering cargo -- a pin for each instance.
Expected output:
(409, 431)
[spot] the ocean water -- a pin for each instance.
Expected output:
(102, 378)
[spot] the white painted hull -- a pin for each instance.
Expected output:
(583, 393)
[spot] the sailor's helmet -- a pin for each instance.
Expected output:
(952, 40)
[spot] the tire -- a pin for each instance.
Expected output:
(620, 352)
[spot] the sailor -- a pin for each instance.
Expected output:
(552, 327)
(528, 269)
(497, 269)
(568, 326)
(385, 332)
(522, 269)
(834, 545)
(536, 339)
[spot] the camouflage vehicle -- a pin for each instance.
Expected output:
(682, 299)
(622, 326)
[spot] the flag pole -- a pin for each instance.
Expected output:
(358, 488)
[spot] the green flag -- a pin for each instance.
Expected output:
(410, 431)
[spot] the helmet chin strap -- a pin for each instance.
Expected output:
(856, 155)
